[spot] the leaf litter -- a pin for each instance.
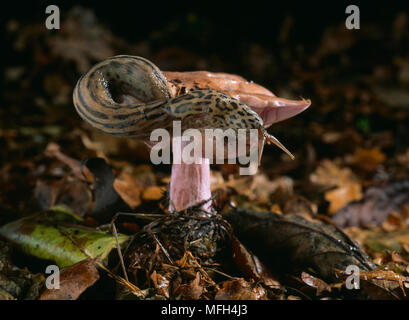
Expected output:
(94, 205)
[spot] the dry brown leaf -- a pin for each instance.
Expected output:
(128, 189)
(328, 174)
(53, 150)
(386, 275)
(300, 206)
(405, 246)
(379, 240)
(256, 188)
(343, 195)
(396, 257)
(405, 214)
(316, 283)
(276, 208)
(240, 290)
(153, 193)
(191, 291)
(105, 145)
(388, 227)
(160, 283)
(367, 159)
(70, 191)
(74, 280)
(403, 158)
(251, 266)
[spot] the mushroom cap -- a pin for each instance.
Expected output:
(270, 108)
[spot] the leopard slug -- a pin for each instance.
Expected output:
(130, 96)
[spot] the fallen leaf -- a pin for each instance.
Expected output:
(378, 201)
(300, 206)
(71, 192)
(251, 266)
(379, 240)
(240, 290)
(396, 257)
(74, 280)
(292, 243)
(316, 283)
(367, 159)
(16, 283)
(53, 150)
(153, 193)
(343, 195)
(383, 279)
(256, 188)
(191, 291)
(127, 188)
(54, 235)
(160, 283)
(328, 175)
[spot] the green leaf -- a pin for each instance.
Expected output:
(52, 235)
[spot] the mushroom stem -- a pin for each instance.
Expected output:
(190, 185)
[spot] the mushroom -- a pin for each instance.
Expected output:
(129, 96)
(190, 183)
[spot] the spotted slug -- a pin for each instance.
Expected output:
(130, 96)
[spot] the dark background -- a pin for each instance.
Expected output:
(215, 27)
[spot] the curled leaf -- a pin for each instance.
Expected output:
(291, 243)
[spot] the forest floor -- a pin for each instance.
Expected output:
(343, 201)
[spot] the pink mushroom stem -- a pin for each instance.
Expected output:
(190, 185)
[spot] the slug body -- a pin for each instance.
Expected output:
(129, 96)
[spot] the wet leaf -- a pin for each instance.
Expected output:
(251, 266)
(291, 243)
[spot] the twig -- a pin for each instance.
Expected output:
(118, 248)
(165, 252)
